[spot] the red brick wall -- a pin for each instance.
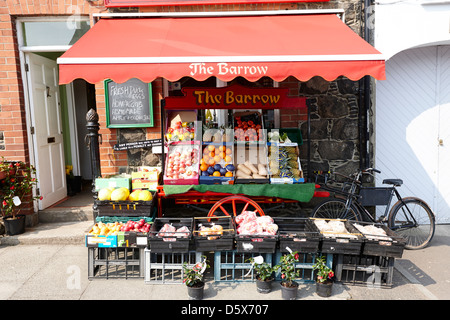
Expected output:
(12, 105)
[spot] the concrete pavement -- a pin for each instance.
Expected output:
(50, 261)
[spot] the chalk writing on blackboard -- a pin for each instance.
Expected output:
(137, 144)
(128, 104)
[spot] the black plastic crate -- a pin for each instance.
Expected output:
(125, 207)
(207, 241)
(173, 242)
(341, 243)
(390, 246)
(370, 271)
(297, 234)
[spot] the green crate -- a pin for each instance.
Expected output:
(294, 134)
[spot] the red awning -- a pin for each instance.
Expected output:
(276, 46)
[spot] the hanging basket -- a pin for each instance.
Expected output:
(14, 226)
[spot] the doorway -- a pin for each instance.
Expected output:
(55, 115)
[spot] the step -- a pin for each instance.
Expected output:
(66, 214)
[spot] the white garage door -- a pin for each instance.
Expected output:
(412, 131)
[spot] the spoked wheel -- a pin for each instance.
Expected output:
(335, 209)
(414, 221)
(234, 206)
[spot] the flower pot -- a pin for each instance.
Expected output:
(264, 286)
(196, 292)
(323, 289)
(289, 292)
(14, 226)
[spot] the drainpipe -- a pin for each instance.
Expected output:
(364, 98)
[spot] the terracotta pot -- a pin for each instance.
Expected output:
(323, 289)
(2, 175)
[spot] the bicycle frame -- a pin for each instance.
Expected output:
(353, 199)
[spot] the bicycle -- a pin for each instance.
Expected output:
(410, 217)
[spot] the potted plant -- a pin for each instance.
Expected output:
(14, 188)
(264, 274)
(193, 278)
(324, 277)
(288, 273)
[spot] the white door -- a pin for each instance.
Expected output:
(411, 115)
(443, 200)
(42, 77)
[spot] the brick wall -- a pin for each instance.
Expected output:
(12, 105)
(13, 130)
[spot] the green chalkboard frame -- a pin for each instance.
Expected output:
(130, 125)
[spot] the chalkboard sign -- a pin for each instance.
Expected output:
(128, 104)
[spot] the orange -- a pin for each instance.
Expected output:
(217, 159)
(216, 174)
(204, 167)
(222, 154)
(205, 151)
(211, 162)
(205, 158)
(211, 147)
(212, 154)
(227, 159)
(222, 148)
(228, 174)
(228, 151)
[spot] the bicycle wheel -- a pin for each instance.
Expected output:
(335, 209)
(413, 220)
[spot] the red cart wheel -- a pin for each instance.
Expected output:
(232, 200)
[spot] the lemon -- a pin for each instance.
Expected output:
(134, 196)
(120, 194)
(145, 195)
(104, 194)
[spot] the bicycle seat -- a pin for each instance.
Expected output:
(395, 182)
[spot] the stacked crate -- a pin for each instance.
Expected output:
(118, 255)
(374, 265)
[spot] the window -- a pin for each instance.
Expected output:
(52, 33)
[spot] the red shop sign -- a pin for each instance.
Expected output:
(235, 97)
(150, 3)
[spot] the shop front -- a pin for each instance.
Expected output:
(221, 139)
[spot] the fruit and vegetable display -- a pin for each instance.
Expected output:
(217, 161)
(181, 131)
(248, 170)
(182, 162)
(123, 194)
(248, 128)
(169, 232)
(333, 228)
(113, 228)
(283, 161)
(212, 232)
(248, 223)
